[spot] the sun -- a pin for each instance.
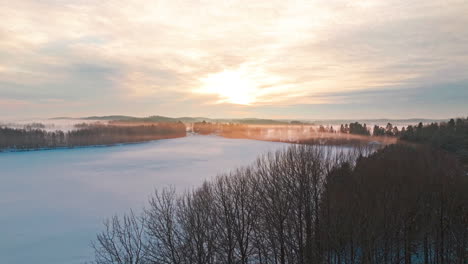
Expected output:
(231, 86)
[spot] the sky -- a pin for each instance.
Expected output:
(314, 59)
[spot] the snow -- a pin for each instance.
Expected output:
(53, 202)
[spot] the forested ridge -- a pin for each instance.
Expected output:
(307, 204)
(86, 135)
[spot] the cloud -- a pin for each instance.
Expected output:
(151, 57)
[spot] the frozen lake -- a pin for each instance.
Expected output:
(53, 202)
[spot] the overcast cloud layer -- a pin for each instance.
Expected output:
(299, 59)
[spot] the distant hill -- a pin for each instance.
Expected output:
(257, 121)
(61, 117)
(110, 118)
(184, 119)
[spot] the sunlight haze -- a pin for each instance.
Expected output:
(278, 59)
(233, 131)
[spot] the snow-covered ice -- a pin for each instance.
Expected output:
(53, 202)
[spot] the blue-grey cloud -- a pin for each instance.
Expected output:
(320, 57)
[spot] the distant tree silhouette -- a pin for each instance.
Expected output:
(358, 129)
(86, 135)
(378, 131)
(451, 136)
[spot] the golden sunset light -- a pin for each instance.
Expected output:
(307, 56)
(233, 131)
(231, 87)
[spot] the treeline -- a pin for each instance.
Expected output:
(87, 135)
(355, 128)
(306, 204)
(279, 131)
(260, 132)
(206, 128)
(451, 136)
(352, 134)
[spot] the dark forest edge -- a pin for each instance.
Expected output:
(35, 137)
(401, 204)
(451, 136)
(15, 139)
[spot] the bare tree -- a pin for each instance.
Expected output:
(307, 204)
(165, 239)
(122, 241)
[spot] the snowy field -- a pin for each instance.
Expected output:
(53, 202)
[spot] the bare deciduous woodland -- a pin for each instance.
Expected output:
(306, 204)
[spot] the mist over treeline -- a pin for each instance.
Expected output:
(306, 204)
(87, 135)
(295, 133)
(451, 135)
